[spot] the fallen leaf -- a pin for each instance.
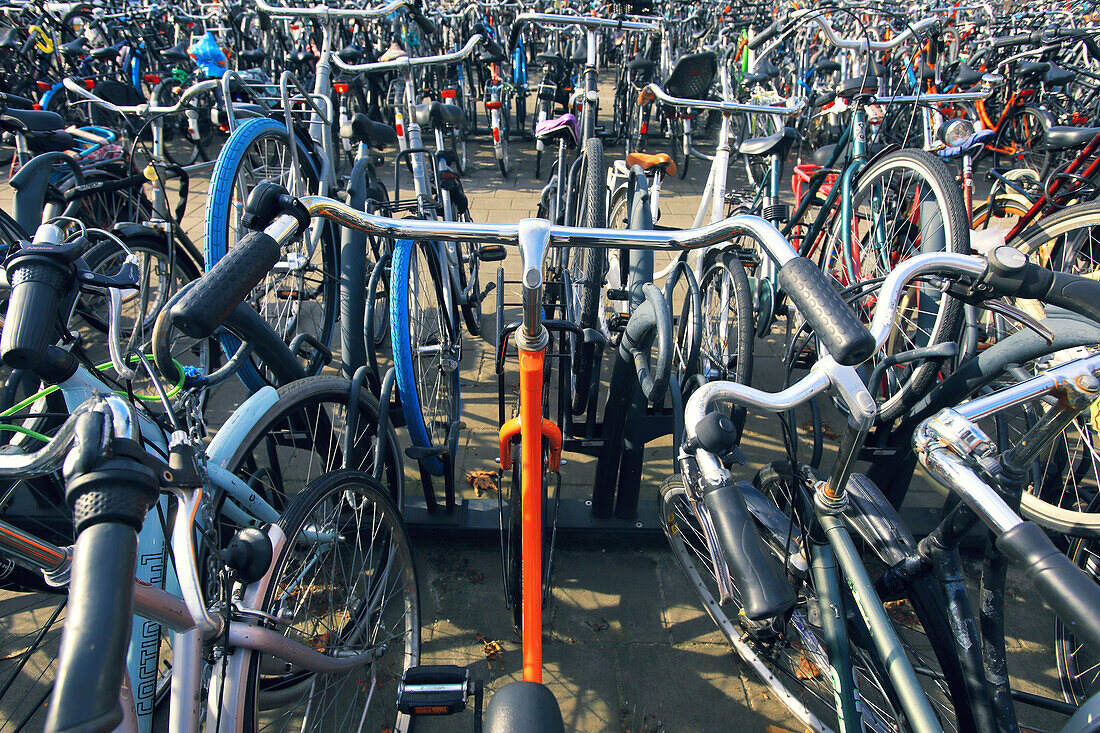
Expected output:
(806, 669)
(482, 481)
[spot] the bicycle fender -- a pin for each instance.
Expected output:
(232, 433)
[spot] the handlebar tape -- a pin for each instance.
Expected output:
(212, 297)
(836, 326)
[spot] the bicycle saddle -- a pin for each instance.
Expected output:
(178, 54)
(302, 56)
(826, 66)
(579, 54)
(1057, 76)
(107, 53)
(753, 79)
(966, 76)
(642, 65)
(30, 120)
(692, 75)
(777, 143)
(1032, 68)
(8, 38)
(857, 86)
(351, 54)
(252, 57)
(550, 58)
(393, 53)
(439, 115)
(1060, 138)
(564, 127)
(363, 129)
(526, 706)
(661, 161)
(73, 48)
(926, 72)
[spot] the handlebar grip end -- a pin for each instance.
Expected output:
(837, 327)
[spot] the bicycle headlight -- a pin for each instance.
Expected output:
(954, 132)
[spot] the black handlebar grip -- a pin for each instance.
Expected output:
(37, 287)
(426, 25)
(97, 631)
(1011, 274)
(765, 590)
(764, 36)
(1074, 596)
(1016, 40)
(836, 326)
(212, 297)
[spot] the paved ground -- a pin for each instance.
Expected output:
(627, 646)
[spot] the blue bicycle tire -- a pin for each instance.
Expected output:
(404, 366)
(216, 224)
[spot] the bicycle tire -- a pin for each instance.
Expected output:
(417, 284)
(726, 347)
(587, 263)
(881, 205)
(280, 297)
(374, 603)
(1019, 140)
(302, 436)
(797, 655)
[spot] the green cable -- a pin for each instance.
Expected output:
(50, 390)
(26, 431)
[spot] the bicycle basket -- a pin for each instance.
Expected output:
(692, 75)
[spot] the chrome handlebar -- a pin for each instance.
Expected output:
(143, 110)
(407, 62)
(321, 11)
(654, 91)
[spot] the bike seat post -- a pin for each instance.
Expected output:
(534, 240)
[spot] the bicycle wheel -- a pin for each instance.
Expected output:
(726, 350)
(587, 264)
(1019, 142)
(791, 648)
(904, 203)
(426, 348)
(1078, 667)
(307, 434)
(299, 295)
(343, 584)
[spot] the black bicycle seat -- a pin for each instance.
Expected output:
(252, 57)
(857, 86)
(30, 120)
(73, 48)
(966, 76)
(551, 58)
(178, 54)
(363, 129)
(1031, 68)
(642, 65)
(752, 79)
(350, 54)
(692, 75)
(439, 115)
(302, 56)
(826, 66)
(772, 144)
(107, 53)
(1061, 138)
(1057, 76)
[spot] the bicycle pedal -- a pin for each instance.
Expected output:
(434, 689)
(617, 294)
(492, 253)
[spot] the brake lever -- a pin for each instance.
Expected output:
(128, 276)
